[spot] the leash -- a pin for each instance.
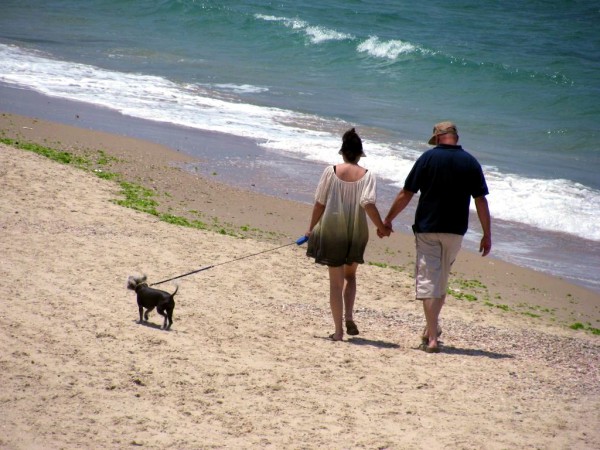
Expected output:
(301, 240)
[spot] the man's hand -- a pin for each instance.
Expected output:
(485, 246)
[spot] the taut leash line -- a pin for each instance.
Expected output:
(301, 240)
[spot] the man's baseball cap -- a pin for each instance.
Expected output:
(442, 128)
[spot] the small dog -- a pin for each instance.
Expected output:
(151, 298)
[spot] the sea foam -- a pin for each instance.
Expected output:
(387, 49)
(316, 34)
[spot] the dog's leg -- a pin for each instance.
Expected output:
(148, 311)
(161, 311)
(141, 313)
(170, 316)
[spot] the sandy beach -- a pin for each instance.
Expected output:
(247, 363)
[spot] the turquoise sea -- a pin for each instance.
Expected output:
(520, 78)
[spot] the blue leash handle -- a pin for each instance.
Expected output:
(301, 240)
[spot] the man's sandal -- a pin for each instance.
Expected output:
(425, 338)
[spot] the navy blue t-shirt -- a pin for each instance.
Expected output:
(447, 177)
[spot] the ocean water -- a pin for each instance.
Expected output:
(520, 78)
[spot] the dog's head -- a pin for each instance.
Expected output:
(135, 280)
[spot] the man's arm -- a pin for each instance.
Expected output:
(483, 212)
(402, 199)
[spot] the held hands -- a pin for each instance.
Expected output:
(386, 230)
(383, 232)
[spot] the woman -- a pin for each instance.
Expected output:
(339, 232)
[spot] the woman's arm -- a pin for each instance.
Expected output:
(317, 212)
(375, 217)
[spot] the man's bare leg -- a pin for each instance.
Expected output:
(432, 308)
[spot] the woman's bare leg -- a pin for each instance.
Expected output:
(336, 300)
(349, 289)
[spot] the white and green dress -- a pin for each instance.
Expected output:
(341, 235)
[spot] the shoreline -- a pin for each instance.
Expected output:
(274, 219)
(241, 163)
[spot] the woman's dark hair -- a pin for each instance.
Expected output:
(351, 145)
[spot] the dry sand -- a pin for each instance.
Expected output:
(247, 363)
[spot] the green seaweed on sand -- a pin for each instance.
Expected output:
(132, 195)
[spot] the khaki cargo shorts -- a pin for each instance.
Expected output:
(436, 252)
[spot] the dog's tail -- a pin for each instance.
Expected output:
(176, 289)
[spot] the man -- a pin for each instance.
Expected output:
(447, 177)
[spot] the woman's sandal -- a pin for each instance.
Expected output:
(351, 328)
(332, 337)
